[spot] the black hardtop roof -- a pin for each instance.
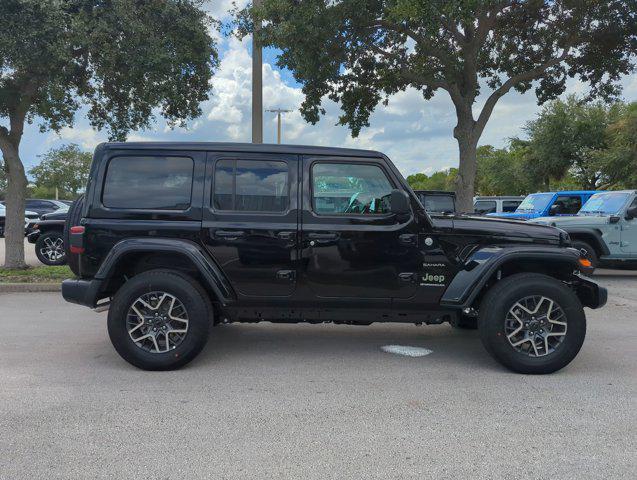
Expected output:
(242, 147)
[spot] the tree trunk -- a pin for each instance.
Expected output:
(467, 169)
(14, 202)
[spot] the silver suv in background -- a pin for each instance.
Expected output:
(496, 204)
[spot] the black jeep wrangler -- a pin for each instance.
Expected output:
(176, 237)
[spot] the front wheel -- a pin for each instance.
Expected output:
(532, 323)
(159, 320)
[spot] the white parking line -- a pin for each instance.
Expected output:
(406, 350)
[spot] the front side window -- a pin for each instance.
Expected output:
(485, 206)
(151, 183)
(251, 186)
(568, 204)
(343, 188)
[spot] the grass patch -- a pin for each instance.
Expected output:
(44, 274)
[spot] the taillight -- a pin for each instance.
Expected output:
(76, 239)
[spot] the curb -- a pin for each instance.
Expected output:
(30, 287)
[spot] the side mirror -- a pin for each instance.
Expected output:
(631, 213)
(555, 209)
(399, 202)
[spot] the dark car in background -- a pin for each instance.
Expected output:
(48, 237)
(42, 206)
(437, 201)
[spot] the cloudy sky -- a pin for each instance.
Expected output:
(417, 135)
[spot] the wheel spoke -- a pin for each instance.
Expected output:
(152, 309)
(535, 326)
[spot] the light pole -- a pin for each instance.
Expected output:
(278, 112)
(257, 84)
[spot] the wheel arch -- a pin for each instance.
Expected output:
(591, 236)
(487, 265)
(133, 256)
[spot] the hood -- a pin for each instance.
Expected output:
(576, 221)
(513, 215)
(501, 228)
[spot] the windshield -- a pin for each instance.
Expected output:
(604, 203)
(536, 202)
(437, 203)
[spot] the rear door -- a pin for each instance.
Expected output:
(250, 222)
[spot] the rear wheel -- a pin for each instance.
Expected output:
(73, 219)
(49, 248)
(532, 323)
(159, 320)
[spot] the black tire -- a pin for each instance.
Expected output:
(591, 254)
(197, 306)
(72, 220)
(44, 243)
(502, 297)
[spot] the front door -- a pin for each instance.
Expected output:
(629, 233)
(250, 225)
(352, 246)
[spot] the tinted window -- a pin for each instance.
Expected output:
(251, 186)
(484, 206)
(510, 205)
(437, 203)
(340, 188)
(568, 204)
(158, 183)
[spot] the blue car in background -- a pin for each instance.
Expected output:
(547, 204)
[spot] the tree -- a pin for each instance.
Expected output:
(65, 168)
(503, 171)
(572, 138)
(621, 155)
(360, 52)
(125, 61)
(441, 180)
(3, 181)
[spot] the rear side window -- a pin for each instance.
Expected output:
(151, 183)
(341, 188)
(251, 186)
(484, 206)
(510, 205)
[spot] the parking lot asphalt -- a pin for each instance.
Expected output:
(312, 402)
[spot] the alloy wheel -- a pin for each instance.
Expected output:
(535, 326)
(157, 322)
(53, 249)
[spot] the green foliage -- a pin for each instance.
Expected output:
(123, 59)
(43, 274)
(441, 180)
(582, 141)
(66, 168)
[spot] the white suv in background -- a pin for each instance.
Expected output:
(500, 204)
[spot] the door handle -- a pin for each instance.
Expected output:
(408, 239)
(322, 236)
(286, 235)
(229, 234)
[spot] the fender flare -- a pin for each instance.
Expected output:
(201, 260)
(484, 262)
(590, 232)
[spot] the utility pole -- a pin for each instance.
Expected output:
(257, 84)
(278, 112)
